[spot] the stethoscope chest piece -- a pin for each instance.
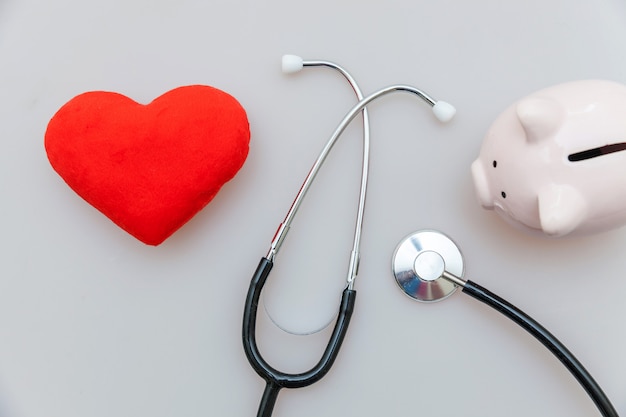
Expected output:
(419, 262)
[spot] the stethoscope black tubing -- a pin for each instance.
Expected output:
(275, 380)
(548, 340)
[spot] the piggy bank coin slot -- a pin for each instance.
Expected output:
(596, 152)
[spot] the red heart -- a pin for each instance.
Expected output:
(149, 168)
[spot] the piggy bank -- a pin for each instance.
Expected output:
(555, 161)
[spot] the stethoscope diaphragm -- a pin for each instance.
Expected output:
(419, 262)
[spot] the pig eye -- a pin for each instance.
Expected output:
(503, 194)
(495, 164)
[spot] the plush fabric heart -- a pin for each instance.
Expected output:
(149, 168)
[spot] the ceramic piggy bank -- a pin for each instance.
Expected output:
(555, 161)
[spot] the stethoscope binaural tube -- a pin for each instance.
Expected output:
(292, 64)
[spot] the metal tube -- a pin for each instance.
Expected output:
(284, 227)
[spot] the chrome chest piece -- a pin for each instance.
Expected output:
(420, 261)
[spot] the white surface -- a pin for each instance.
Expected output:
(94, 323)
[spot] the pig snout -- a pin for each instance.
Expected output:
(481, 185)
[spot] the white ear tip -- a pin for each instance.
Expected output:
(444, 111)
(291, 64)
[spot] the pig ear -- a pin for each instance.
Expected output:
(561, 209)
(481, 185)
(540, 117)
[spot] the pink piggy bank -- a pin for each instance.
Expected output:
(555, 161)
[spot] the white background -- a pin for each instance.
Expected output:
(95, 324)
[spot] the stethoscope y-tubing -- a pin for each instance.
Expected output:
(548, 340)
(276, 380)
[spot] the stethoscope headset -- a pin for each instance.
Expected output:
(427, 265)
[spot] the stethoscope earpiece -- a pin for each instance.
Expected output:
(444, 111)
(292, 63)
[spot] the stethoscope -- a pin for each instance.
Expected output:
(427, 266)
